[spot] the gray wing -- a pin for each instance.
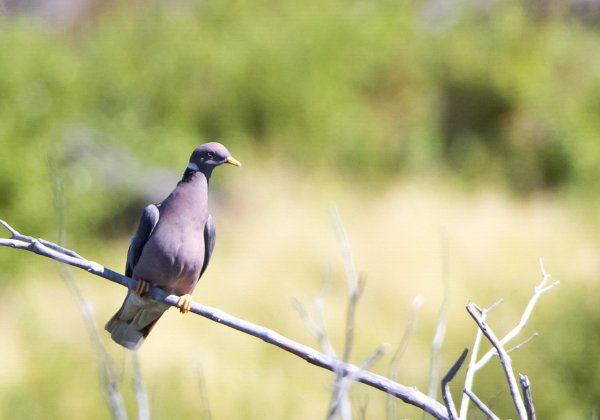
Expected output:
(210, 235)
(148, 222)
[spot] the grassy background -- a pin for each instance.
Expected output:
(477, 124)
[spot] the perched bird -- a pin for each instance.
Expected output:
(171, 248)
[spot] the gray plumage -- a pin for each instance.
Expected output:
(171, 248)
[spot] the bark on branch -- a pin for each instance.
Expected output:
(409, 395)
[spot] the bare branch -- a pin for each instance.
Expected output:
(452, 414)
(504, 359)
(411, 324)
(340, 400)
(352, 280)
(407, 394)
(540, 289)
(464, 405)
(481, 405)
(526, 388)
(13, 233)
(109, 379)
(475, 366)
(350, 269)
(141, 397)
(344, 383)
(316, 329)
(440, 330)
(518, 346)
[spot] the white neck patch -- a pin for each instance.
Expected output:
(192, 166)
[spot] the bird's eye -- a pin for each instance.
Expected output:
(210, 155)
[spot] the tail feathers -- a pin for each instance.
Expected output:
(134, 321)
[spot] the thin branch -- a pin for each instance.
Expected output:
(344, 384)
(409, 328)
(319, 316)
(351, 319)
(141, 396)
(316, 329)
(486, 410)
(540, 289)
(504, 359)
(407, 394)
(350, 269)
(464, 405)
(440, 330)
(518, 346)
(110, 381)
(526, 388)
(29, 239)
(452, 414)
(340, 400)
(353, 283)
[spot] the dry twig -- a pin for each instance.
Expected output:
(526, 388)
(141, 396)
(464, 406)
(538, 291)
(110, 380)
(484, 408)
(339, 398)
(448, 401)
(504, 359)
(441, 326)
(474, 366)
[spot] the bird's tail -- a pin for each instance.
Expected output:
(134, 321)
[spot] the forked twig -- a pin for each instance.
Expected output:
(474, 366)
(339, 397)
(504, 359)
(540, 289)
(464, 406)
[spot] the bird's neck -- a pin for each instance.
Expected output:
(190, 192)
(190, 175)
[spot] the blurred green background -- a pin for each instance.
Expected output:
(474, 124)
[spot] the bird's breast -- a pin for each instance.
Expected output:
(174, 254)
(173, 260)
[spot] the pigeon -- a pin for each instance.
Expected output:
(170, 249)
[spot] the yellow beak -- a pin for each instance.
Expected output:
(233, 161)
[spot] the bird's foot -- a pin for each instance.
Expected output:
(184, 303)
(142, 287)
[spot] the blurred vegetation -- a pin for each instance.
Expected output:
(102, 102)
(495, 93)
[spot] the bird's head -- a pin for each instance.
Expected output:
(208, 156)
